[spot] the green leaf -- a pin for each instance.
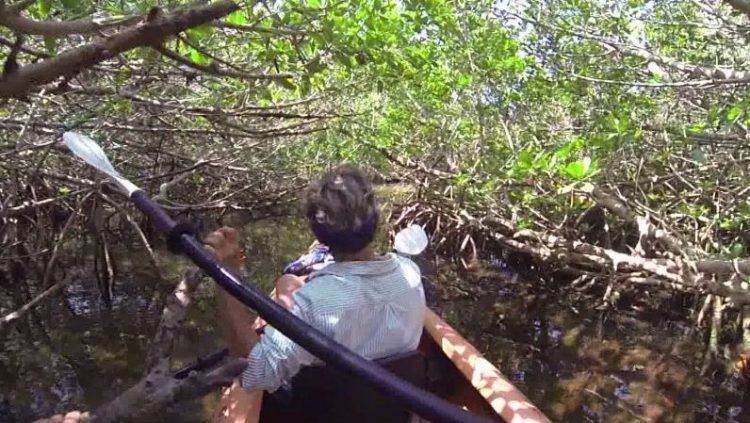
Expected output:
(578, 169)
(237, 17)
(69, 4)
(198, 33)
(286, 83)
(76, 6)
(463, 80)
(44, 7)
(737, 250)
(198, 58)
(50, 43)
(525, 159)
(733, 113)
(696, 127)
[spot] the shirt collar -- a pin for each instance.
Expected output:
(386, 264)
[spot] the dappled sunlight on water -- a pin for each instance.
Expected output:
(580, 364)
(576, 363)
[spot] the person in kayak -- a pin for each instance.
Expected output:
(372, 304)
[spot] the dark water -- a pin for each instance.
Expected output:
(581, 364)
(577, 363)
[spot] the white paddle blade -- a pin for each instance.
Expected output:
(90, 152)
(411, 240)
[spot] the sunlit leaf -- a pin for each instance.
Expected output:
(44, 7)
(578, 169)
(197, 57)
(733, 113)
(286, 83)
(237, 17)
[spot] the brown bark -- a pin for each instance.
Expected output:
(621, 210)
(724, 267)
(154, 392)
(24, 25)
(171, 321)
(147, 33)
(159, 388)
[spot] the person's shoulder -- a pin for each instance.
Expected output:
(319, 291)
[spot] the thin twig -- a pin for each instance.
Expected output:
(47, 276)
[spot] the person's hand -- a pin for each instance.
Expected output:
(225, 245)
(71, 417)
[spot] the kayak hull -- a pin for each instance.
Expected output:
(465, 378)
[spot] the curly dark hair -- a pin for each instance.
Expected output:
(342, 209)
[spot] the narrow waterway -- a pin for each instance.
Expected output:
(577, 363)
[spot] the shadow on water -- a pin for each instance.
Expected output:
(78, 350)
(580, 364)
(577, 363)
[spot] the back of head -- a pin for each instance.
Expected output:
(342, 209)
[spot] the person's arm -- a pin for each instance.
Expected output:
(236, 325)
(71, 417)
(276, 358)
(234, 318)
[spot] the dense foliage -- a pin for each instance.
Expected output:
(499, 102)
(605, 139)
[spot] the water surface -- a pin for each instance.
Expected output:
(578, 364)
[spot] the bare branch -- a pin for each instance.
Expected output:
(715, 73)
(11, 18)
(15, 315)
(73, 61)
(214, 70)
(725, 267)
(254, 111)
(30, 205)
(14, 123)
(171, 320)
(700, 83)
(137, 229)
(149, 396)
(158, 388)
(257, 29)
(45, 281)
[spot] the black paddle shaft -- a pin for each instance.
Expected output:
(424, 403)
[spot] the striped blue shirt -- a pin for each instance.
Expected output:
(374, 308)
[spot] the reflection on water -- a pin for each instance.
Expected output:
(577, 364)
(582, 365)
(77, 351)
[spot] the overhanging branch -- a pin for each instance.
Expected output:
(148, 33)
(214, 70)
(24, 25)
(715, 74)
